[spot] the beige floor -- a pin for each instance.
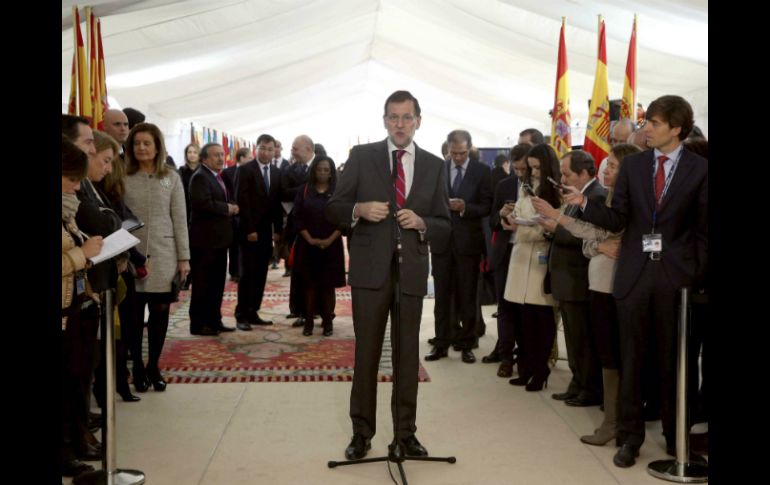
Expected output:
(284, 433)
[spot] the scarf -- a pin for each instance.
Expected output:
(69, 206)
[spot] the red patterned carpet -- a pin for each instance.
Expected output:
(276, 353)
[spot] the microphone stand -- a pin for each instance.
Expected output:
(396, 451)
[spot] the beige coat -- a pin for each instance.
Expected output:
(601, 269)
(72, 260)
(529, 259)
(160, 204)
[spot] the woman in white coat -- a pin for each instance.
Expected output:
(525, 285)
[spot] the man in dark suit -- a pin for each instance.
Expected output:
(211, 233)
(293, 179)
(259, 201)
(506, 194)
(389, 209)
(230, 177)
(278, 160)
(568, 268)
(456, 266)
(661, 200)
(501, 170)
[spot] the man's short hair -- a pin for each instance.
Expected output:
(204, 152)
(242, 152)
(580, 160)
(459, 136)
(265, 138)
(134, 117)
(675, 111)
(69, 126)
(520, 151)
(400, 97)
(500, 160)
(535, 136)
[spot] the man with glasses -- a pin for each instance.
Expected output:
(394, 194)
(261, 222)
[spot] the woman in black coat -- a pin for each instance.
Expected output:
(318, 253)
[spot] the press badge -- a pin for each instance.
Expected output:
(652, 243)
(80, 283)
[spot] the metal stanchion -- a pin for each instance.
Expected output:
(681, 469)
(110, 474)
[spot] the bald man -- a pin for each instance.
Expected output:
(116, 125)
(620, 130)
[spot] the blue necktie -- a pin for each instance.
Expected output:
(458, 179)
(267, 178)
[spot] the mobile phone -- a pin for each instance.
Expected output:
(555, 183)
(510, 201)
(527, 189)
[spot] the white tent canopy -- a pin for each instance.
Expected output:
(325, 67)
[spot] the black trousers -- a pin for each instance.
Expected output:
(507, 313)
(604, 328)
(370, 315)
(458, 274)
(255, 256)
(648, 318)
(209, 267)
(581, 352)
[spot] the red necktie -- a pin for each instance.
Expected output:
(660, 178)
(400, 181)
(221, 183)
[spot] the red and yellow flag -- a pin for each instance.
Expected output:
(80, 95)
(561, 138)
(102, 72)
(628, 102)
(97, 113)
(597, 141)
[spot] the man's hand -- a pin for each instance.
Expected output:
(232, 209)
(407, 219)
(548, 224)
(544, 208)
(252, 237)
(572, 196)
(507, 209)
(506, 225)
(372, 211)
(610, 248)
(456, 205)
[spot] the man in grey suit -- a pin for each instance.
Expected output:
(393, 194)
(569, 285)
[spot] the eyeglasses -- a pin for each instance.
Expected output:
(406, 119)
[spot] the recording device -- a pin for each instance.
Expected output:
(510, 201)
(527, 189)
(556, 184)
(132, 224)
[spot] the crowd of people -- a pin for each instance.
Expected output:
(603, 250)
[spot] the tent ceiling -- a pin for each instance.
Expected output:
(247, 67)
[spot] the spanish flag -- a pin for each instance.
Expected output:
(102, 72)
(97, 111)
(80, 91)
(597, 141)
(561, 139)
(628, 102)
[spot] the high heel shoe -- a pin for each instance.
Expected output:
(141, 384)
(520, 381)
(537, 383)
(159, 385)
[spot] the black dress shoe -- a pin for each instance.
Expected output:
(492, 358)
(159, 385)
(74, 467)
(358, 447)
(581, 402)
(205, 331)
(436, 353)
(468, 357)
(412, 447)
(259, 321)
(624, 458)
(300, 322)
(328, 331)
(127, 396)
(563, 396)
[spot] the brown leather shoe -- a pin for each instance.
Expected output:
(505, 369)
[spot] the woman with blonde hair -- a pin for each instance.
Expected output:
(155, 194)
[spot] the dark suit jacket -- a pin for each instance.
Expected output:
(259, 211)
(467, 235)
(292, 180)
(498, 174)
(98, 219)
(229, 176)
(210, 225)
(367, 177)
(507, 189)
(566, 262)
(682, 220)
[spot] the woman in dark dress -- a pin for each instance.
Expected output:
(318, 253)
